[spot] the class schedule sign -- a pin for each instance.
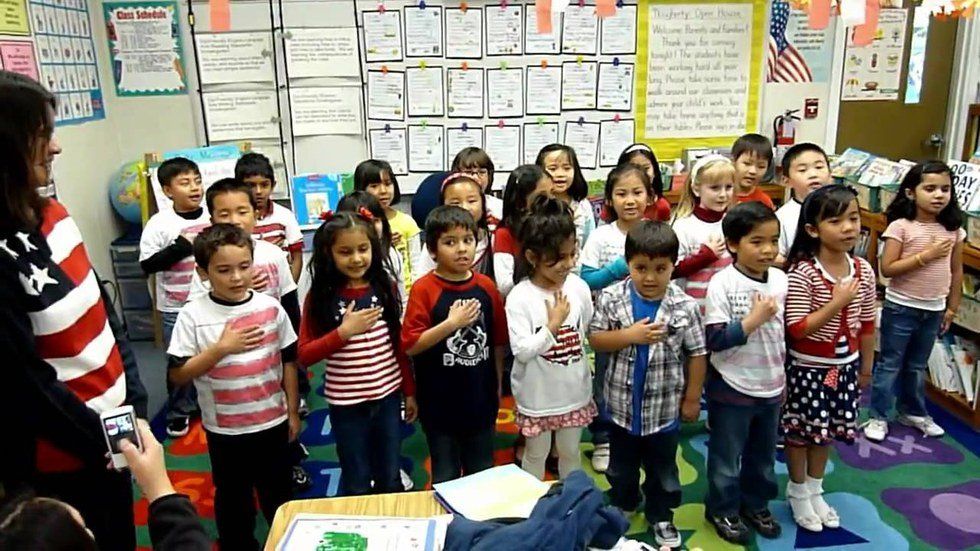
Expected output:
(144, 44)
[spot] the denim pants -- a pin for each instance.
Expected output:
(907, 338)
(453, 453)
(368, 445)
(657, 453)
(741, 457)
(181, 400)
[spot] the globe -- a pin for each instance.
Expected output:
(124, 192)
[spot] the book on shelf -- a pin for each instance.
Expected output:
(882, 172)
(850, 163)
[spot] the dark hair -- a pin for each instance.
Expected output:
(372, 171)
(42, 524)
(753, 144)
(457, 178)
(548, 225)
(741, 219)
(643, 150)
(444, 218)
(579, 188)
(215, 236)
(615, 175)
(799, 149)
(521, 183)
(473, 157)
(826, 202)
(254, 164)
(356, 200)
(229, 185)
(327, 281)
(951, 217)
(653, 239)
(172, 168)
(25, 119)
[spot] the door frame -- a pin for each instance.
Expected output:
(963, 90)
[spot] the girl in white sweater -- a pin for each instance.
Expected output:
(548, 313)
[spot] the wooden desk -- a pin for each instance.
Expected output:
(408, 504)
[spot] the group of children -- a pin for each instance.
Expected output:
(765, 314)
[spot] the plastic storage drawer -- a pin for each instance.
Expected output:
(134, 294)
(125, 261)
(139, 324)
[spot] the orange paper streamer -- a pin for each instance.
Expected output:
(819, 14)
(605, 8)
(220, 15)
(543, 7)
(865, 34)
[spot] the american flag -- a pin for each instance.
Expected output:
(784, 63)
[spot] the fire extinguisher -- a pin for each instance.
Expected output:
(784, 127)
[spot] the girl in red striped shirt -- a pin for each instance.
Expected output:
(351, 321)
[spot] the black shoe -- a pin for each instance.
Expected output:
(178, 426)
(764, 523)
(666, 534)
(731, 529)
(301, 480)
(304, 408)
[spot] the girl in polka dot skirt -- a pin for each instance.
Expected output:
(830, 323)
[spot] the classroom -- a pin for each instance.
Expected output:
(487, 274)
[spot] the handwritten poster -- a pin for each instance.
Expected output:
(583, 137)
(579, 81)
(459, 138)
(618, 32)
(464, 33)
(615, 87)
(325, 110)
(464, 93)
(426, 148)
(18, 56)
(505, 29)
(614, 137)
(425, 92)
(541, 43)
(233, 116)
(874, 72)
(386, 95)
(144, 44)
(503, 145)
(423, 31)
(580, 30)
(235, 57)
(215, 162)
(544, 90)
(505, 93)
(698, 70)
(391, 145)
(382, 35)
(536, 136)
(322, 52)
(13, 18)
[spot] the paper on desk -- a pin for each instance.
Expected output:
(310, 531)
(506, 491)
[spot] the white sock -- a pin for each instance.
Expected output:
(815, 488)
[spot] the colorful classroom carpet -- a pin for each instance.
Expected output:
(905, 493)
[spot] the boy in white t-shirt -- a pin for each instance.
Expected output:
(805, 169)
(744, 385)
(165, 251)
(274, 223)
(239, 348)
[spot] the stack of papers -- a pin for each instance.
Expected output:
(501, 492)
(348, 533)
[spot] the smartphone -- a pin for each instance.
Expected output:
(120, 424)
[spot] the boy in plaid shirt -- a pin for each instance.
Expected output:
(653, 331)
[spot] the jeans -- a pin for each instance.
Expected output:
(242, 465)
(907, 338)
(602, 424)
(741, 457)
(657, 453)
(181, 400)
(368, 445)
(455, 452)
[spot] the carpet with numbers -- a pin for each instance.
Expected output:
(905, 493)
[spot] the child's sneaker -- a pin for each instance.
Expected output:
(924, 424)
(600, 458)
(301, 480)
(764, 523)
(666, 534)
(407, 481)
(303, 409)
(731, 529)
(178, 426)
(876, 429)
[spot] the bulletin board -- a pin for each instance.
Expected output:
(724, 54)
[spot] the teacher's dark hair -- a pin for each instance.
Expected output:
(26, 124)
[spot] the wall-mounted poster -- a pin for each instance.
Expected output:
(144, 45)
(874, 72)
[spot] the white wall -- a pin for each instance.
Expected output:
(94, 151)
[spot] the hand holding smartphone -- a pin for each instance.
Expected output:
(117, 425)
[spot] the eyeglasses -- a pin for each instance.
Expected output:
(482, 172)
